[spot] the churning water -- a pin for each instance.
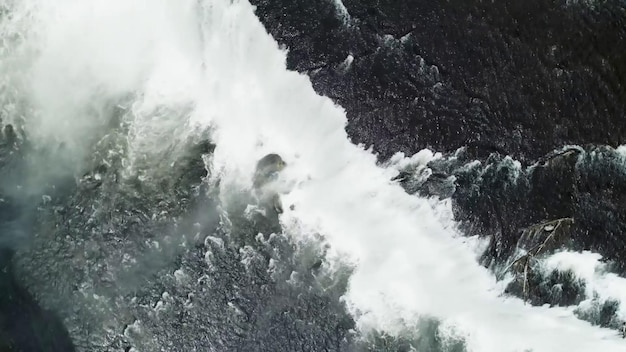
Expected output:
(190, 69)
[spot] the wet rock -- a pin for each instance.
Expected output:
(267, 169)
(10, 137)
(538, 240)
(556, 289)
(266, 173)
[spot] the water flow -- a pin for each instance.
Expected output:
(210, 63)
(408, 265)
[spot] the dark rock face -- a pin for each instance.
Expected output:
(521, 78)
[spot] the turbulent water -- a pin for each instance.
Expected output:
(139, 126)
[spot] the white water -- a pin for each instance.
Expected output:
(214, 58)
(600, 284)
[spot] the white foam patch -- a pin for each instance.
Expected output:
(622, 150)
(215, 57)
(342, 11)
(419, 160)
(599, 281)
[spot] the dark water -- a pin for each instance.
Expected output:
(519, 78)
(176, 272)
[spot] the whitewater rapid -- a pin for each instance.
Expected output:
(213, 69)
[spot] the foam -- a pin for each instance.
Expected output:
(600, 283)
(214, 60)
